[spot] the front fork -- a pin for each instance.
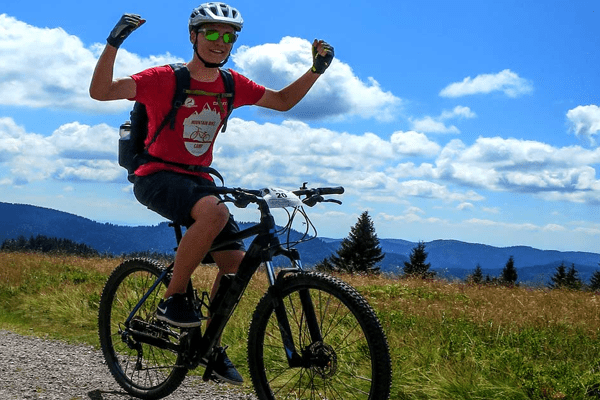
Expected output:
(308, 312)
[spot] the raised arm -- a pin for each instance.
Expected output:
(288, 97)
(103, 85)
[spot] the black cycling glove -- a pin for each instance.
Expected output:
(321, 63)
(127, 24)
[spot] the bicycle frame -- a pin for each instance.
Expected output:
(264, 247)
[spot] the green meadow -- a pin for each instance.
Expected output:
(448, 340)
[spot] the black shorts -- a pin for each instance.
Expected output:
(173, 195)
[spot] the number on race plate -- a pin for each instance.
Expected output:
(281, 198)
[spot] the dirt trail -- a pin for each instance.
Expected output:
(34, 368)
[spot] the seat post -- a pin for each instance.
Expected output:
(178, 234)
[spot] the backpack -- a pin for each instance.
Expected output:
(133, 152)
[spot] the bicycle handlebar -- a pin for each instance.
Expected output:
(242, 197)
(319, 191)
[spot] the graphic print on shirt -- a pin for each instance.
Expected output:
(200, 129)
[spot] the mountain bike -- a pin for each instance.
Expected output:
(311, 336)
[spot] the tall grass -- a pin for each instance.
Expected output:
(448, 340)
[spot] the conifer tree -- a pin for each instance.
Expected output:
(572, 281)
(359, 253)
(595, 281)
(477, 275)
(509, 273)
(417, 265)
(559, 278)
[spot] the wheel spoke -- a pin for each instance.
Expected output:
(140, 368)
(340, 367)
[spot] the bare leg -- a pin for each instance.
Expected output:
(210, 217)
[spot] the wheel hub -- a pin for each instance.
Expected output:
(322, 359)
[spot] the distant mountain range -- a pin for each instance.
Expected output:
(449, 258)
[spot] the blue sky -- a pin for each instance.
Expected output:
(469, 120)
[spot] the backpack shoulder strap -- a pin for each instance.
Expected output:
(182, 78)
(182, 84)
(229, 88)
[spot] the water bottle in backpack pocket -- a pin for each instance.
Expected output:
(131, 141)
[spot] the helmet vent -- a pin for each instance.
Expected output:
(216, 13)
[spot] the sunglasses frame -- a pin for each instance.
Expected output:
(206, 32)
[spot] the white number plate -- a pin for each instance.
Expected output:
(281, 198)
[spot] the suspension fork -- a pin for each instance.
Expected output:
(308, 312)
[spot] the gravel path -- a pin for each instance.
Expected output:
(34, 368)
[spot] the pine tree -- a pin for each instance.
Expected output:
(359, 253)
(572, 281)
(509, 273)
(559, 278)
(595, 281)
(417, 265)
(476, 276)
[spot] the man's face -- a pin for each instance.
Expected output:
(214, 51)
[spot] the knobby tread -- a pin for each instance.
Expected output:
(104, 315)
(352, 299)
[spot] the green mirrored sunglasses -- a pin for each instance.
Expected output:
(213, 35)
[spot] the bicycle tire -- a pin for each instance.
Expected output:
(359, 364)
(146, 372)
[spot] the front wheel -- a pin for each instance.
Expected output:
(350, 360)
(139, 354)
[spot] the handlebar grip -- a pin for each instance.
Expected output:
(219, 190)
(332, 190)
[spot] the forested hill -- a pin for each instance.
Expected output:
(25, 220)
(448, 257)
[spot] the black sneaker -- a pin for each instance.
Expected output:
(177, 311)
(224, 369)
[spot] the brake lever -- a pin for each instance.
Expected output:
(332, 201)
(312, 200)
(241, 203)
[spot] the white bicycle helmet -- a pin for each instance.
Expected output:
(216, 13)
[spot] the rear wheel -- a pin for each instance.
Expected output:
(352, 360)
(143, 370)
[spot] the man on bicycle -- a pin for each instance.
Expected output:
(177, 193)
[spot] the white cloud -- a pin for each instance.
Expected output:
(427, 189)
(248, 153)
(410, 170)
(63, 81)
(413, 144)
(68, 66)
(291, 152)
(73, 152)
(553, 228)
(585, 121)
(410, 218)
(521, 166)
(438, 125)
(465, 206)
(497, 164)
(506, 81)
(294, 150)
(431, 125)
(512, 226)
(338, 93)
(91, 170)
(458, 112)
(78, 141)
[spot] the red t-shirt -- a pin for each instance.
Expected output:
(197, 123)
